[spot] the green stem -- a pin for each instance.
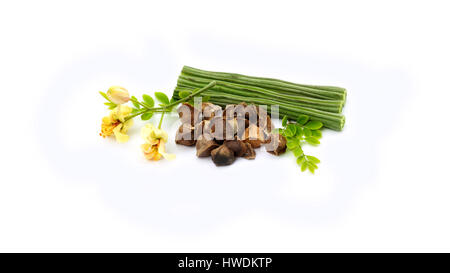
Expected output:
(160, 121)
(144, 111)
(168, 106)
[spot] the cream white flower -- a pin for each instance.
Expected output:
(116, 124)
(155, 140)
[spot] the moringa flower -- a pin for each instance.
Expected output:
(118, 95)
(115, 123)
(155, 140)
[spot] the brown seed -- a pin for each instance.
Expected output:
(210, 110)
(251, 112)
(188, 114)
(241, 124)
(237, 146)
(222, 129)
(229, 111)
(201, 128)
(265, 122)
(278, 146)
(205, 144)
(185, 135)
(222, 156)
(249, 152)
(254, 135)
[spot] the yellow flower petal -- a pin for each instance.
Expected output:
(150, 134)
(115, 123)
(120, 112)
(162, 151)
(120, 137)
(146, 132)
(126, 126)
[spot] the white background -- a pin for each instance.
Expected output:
(383, 184)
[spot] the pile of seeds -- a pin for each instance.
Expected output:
(225, 134)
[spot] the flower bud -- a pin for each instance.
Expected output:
(118, 95)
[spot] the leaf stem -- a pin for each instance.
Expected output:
(160, 121)
(168, 106)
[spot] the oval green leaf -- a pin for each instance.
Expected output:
(184, 94)
(291, 127)
(317, 133)
(314, 125)
(148, 100)
(313, 159)
(300, 160)
(162, 97)
(105, 96)
(312, 140)
(297, 151)
(304, 166)
(311, 168)
(146, 116)
(134, 102)
(302, 119)
(307, 132)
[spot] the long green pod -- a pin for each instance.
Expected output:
(240, 89)
(220, 92)
(321, 87)
(324, 92)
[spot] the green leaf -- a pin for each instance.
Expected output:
(312, 167)
(184, 94)
(111, 107)
(291, 145)
(162, 98)
(110, 104)
(297, 151)
(292, 128)
(302, 119)
(299, 130)
(312, 140)
(300, 160)
(288, 133)
(284, 121)
(146, 116)
(133, 100)
(148, 100)
(304, 165)
(314, 125)
(105, 96)
(307, 132)
(317, 133)
(313, 159)
(134, 110)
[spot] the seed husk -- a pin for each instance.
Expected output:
(222, 156)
